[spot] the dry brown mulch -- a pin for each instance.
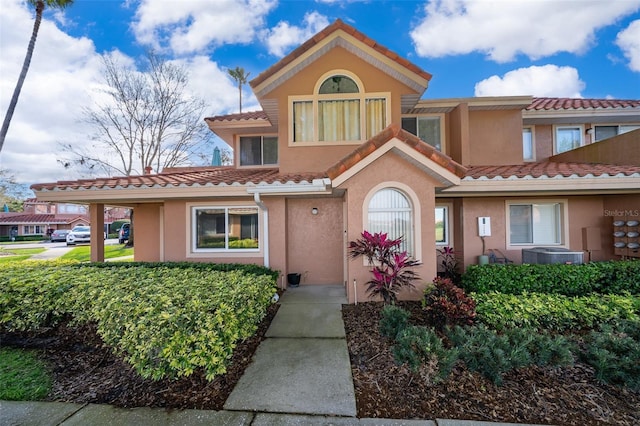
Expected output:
(559, 396)
(85, 371)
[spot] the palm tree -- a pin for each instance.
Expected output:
(39, 5)
(241, 78)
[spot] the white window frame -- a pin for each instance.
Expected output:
(33, 229)
(563, 232)
(315, 99)
(262, 136)
(441, 118)
(580, 128)
(532, 132)
(193, 230)
(448, 231)
(416, 225)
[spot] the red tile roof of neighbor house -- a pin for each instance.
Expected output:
(395, 131)
(545, 104)
(336, 26)
(551, 169)
(185, 176)
(18, 217)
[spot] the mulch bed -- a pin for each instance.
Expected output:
(86, 372)
(559, 396)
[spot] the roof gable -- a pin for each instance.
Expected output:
(347, 37)
(394, 138)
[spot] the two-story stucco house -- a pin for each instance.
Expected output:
(345, 142)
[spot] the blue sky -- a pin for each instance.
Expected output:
(554, 48)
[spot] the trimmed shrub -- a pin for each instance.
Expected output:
(617, 277)
(165, 320)
(553, 311)
(447, 304)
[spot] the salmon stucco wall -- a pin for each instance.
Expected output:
(495, 137)
(393, 172)
(147, 232)
(316, 247)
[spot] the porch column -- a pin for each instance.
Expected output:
(96, 216)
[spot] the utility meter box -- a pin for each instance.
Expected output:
(484, 226)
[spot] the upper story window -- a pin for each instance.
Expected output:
(567, 138)
(339, 111)
(528, 150)
(605, 132)
(427, 128)
(258, 150)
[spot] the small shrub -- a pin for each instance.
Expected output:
(394, 320)
(614, 352)
(450, 264)
(447, 304)
(492, 354)
(419, 346)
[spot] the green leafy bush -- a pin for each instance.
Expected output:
(394, 320)
(492, 354)
(447, 304)
(617, 277)
(614, 352)
(166, 320)
(553, 311)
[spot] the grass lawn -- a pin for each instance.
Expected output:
(83, 253)
(18, 254)
(23, 377)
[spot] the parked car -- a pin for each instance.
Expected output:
(59, 235)
(123, 233)
(79, 234)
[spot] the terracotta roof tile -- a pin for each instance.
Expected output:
(336, 26)
(185, 176)
(546, 104)
(395, 131)
(17, 218)
(242, 116)
(550, 169)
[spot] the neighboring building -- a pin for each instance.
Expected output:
(345, 143)
(41, 218)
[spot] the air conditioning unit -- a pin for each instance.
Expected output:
(547, 255)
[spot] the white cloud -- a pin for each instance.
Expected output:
(504, 29)
(283, 36)
(63, 79)
(629, 41)
(542, 81)
(192, 26)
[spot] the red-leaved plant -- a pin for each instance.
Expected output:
(447, 304)
(391, 267)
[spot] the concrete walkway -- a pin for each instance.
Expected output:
(300, 375)
(303, 365)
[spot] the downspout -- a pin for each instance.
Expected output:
(265, 227)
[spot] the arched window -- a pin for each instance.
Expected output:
(339, 111)
(390, 211)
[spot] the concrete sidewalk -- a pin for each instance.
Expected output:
(300, 375)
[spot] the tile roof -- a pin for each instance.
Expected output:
(336, 26)
(550, 169)
(185, 176)
(395, 131)
(546, 104)
(15, 218)
(242, 116)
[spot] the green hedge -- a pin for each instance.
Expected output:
(22, 238)
(553, 311)
(167, 320)
(615, 277)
